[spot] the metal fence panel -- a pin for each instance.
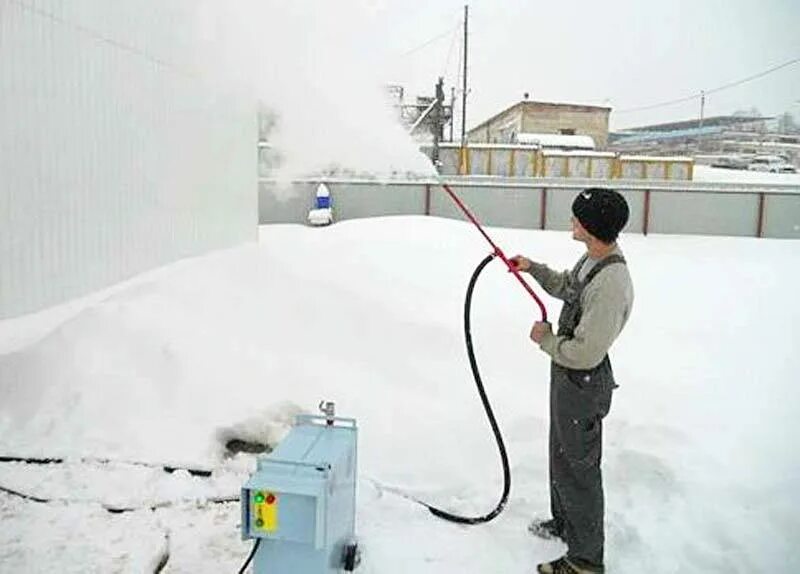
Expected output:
(496, 206)
(782, 216)
(451, 160)
(658, 207)
(524, 163)
(705, 213)
(285, 203)
(373, 200)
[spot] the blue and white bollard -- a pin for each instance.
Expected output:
(322, 212)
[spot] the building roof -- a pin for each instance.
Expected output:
(628, 137)
(715, 121)
(532, 104)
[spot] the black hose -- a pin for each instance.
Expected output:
(250, 558)
(473, 363)
(487, 407)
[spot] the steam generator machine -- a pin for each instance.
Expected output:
(300, 504)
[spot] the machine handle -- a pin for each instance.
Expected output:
(295, 463)
(313, 419)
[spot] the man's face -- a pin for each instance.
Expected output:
(579, 232)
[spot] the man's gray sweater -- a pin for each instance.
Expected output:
(606, 304)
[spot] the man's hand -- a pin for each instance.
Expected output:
(521, 263)
(539, 330)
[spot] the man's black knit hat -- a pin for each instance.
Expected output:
(602, 212)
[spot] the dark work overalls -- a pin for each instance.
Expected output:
(579, 399)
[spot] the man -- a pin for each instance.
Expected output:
(598, 296)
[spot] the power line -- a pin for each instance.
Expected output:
(712, 91)
(754, 76)
(430, 41)
(450, 51)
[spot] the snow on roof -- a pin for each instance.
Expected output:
(470, 145)
(555, 140)
(656, 158)
(576, 153)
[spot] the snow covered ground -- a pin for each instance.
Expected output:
(701, 464)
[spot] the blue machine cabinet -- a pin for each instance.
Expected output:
(301, 500)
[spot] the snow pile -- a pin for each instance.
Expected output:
(701, 469)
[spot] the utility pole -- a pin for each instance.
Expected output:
(464, 93)
(702, 106)
(437, 124)
(700, 125)
(452, 110)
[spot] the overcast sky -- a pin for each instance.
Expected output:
(320, 64)
(620, 53)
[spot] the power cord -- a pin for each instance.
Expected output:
(250, 557)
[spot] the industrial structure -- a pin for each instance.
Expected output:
(426, 117)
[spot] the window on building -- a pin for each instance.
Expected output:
(567, 131)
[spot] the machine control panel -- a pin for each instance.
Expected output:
(265, 510)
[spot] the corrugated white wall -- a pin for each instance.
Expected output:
(115, 157)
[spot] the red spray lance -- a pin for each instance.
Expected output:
(497, 251)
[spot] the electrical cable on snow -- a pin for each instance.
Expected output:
(250, 557)
(22, 495)
(168, 468)
(119, 509)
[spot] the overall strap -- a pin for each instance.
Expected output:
(602, 264)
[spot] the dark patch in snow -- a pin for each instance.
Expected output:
(191, 471)
(29, 460)
(235, 446)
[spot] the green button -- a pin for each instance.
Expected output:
(259, 498)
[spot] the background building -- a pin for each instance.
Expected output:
(729, 141)
(690, 135)
(527, 117)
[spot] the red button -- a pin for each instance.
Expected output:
(270, 498)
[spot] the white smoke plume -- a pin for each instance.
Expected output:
(314, 63)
